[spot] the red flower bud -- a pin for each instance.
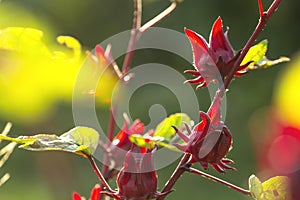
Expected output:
(137, 179)
(209, 141)
(212, 61)
(121, 143)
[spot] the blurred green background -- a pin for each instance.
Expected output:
(52, 175)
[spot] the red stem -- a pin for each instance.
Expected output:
(176, 175)
(258, 29)
(137, 17)
(100, 176)
(261, 8)
(137, 30)
(110, 135)
(261, 24)
(217, 180)
(220, 93)
(273, 8)
(135, 33)
(111, 125)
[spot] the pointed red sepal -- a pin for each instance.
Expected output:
(199, 46)
(227, 161)
(205, 120)
(196, 40)
(244, 67)
(227, 134)
(121, 140)
(180, 147)
(193, 72)
(214, 111)
(197, 80)
(203, 84)
(76, 196)
(99, 51)
(240, 73)
(218, 168)
(203, 125)
(219, 43)
(204, 165)
(181, 134)
(225, 166)
(187, 128)
(96, 192)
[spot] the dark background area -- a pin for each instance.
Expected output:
(53, 175)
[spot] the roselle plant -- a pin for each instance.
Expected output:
(129, 155)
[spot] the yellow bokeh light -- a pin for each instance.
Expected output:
(287, 95)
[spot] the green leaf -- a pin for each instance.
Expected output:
(163, 133)
(86, 137)
(265, 62)
(256, 55)
(144, 140)
(276, 188)
(79, 140)
(150, 142)
(165, 130)
(255, 187)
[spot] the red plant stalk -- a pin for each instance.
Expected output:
(103, 182)
(264, 17)
(217, 180)
(137, 29)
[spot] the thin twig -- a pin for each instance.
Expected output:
(100, 176)
(110, 135)
(258, 29)
(137, 18)
(159, 17)
(111, 126)
(137, 15)
(136, 31)
(273, 8)
(261, 8)
(108, 54)
(217, 180)
(261, 24)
